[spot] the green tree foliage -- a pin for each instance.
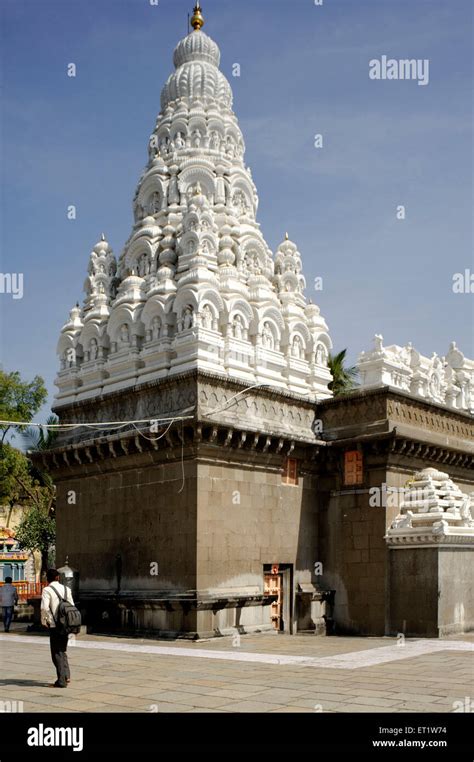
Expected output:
(19, 400)
(19, 486)
(37, 531)
(21, 482)
(14, 475)
(344, 379)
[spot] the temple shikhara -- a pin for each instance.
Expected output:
(208, 480)
(196, 285)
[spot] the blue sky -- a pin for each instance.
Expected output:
(304, 70)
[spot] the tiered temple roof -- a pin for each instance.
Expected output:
(196, 285)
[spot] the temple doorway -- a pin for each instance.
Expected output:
(277, 581)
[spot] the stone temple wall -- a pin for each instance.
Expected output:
(204, 499)
(272, 523)
(132, 507)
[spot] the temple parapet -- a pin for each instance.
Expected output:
(447, 381)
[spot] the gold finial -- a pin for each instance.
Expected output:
(286, 237)
(197, 19)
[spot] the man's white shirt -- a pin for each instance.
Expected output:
(50, 602)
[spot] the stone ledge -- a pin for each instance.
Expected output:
(175, 601)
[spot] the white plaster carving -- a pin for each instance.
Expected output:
(447, 381)
(433, 510)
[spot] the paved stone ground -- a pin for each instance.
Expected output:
(266, 673)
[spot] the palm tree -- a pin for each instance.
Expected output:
(344, 379)
(40, 439)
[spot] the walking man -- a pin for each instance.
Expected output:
(52, 594)
(9, 599)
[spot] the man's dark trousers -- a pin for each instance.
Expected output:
(7, 617)
(58, 643)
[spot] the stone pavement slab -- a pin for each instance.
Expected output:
(271, 674)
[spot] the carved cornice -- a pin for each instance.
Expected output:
(428, 539)
(200, 397)
(225, 414)
(404, 451)
(179, 441)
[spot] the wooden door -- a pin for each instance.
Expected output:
(273, 585)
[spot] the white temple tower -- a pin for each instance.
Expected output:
(196, 286)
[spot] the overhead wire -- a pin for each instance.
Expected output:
(121, 424)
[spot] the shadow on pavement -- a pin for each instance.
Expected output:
(33, 683)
